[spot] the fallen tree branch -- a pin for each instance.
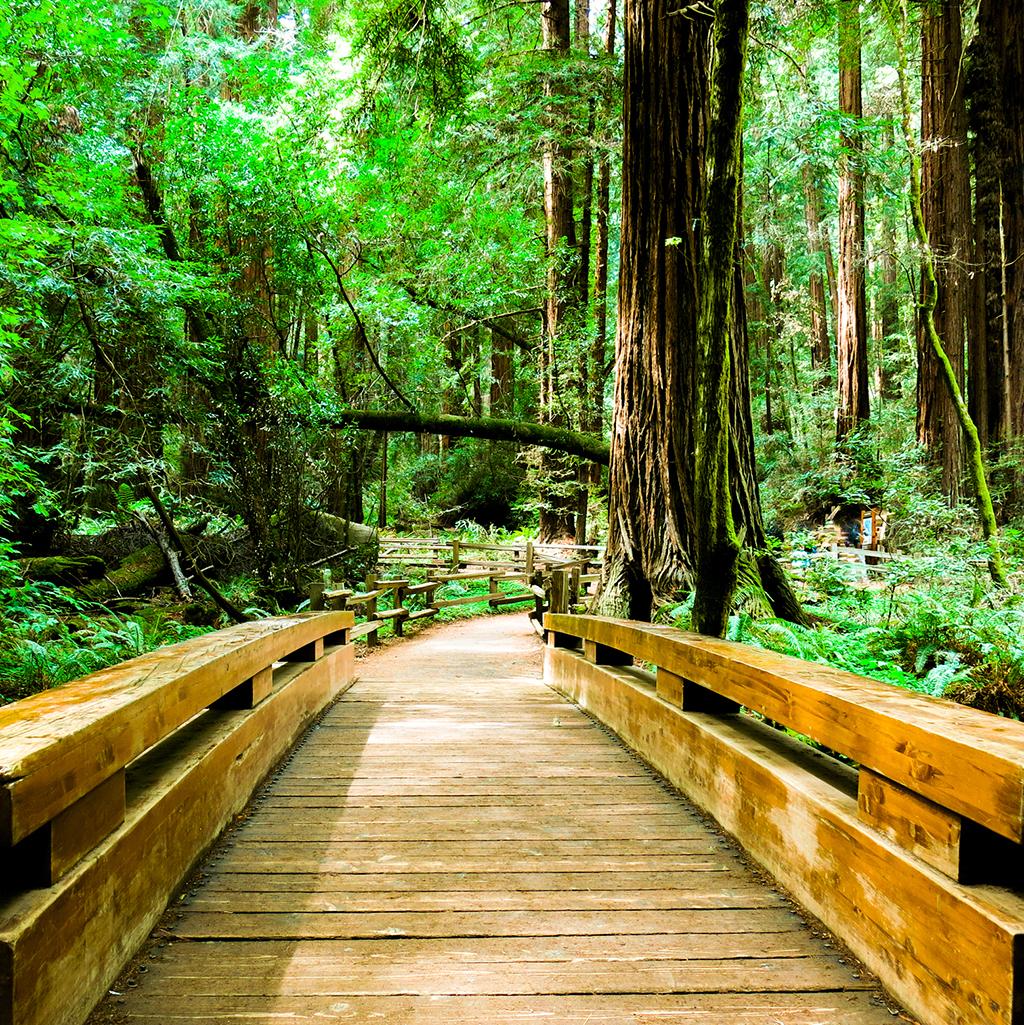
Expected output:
(201, 578)
(170, 556)
(588, 446)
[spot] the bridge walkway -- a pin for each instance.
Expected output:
(455, 843)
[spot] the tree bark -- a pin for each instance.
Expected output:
(945, 200)
(558, 439)
(852, 340)
(972, 442)
(561, 250)
(653, 547)
(821, 341)
(996, 112)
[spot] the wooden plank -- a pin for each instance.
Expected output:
(365, 629)
(835, 1008)
(78, 829)
(59, 744)
(795, 811)
(930, 832)
(472, 599)
(65, 945)
(249, 693)
(967, 761)
(430, 585)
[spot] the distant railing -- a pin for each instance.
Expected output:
(887, 844)
(554, 577)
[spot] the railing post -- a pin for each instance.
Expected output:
(529, 559)
(559, 593)
(372, 638)
(456, 556)
(399, 621)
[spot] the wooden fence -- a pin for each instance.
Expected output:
(113, 786)
(908, 846)
(553, 577)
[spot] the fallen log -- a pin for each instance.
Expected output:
(63, 569)
(136, 571)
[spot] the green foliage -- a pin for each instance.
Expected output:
(58, 639)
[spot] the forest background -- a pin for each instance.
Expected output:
(235, 238)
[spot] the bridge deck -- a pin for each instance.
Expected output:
(454, 843)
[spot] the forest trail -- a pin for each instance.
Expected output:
(455, 843)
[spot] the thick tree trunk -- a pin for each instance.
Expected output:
(945, 199)
(556, 517)
(930, 293)
(852, 341)
(653, 546)
(996, 109)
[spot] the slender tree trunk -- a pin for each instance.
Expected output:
(556, 517)
(945, 199)
(821, 341)
(852, 341)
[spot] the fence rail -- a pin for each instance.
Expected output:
(912, 854)
(551, 581)
(112, 787)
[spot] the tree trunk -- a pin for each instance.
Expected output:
(996, 109)
(655, 542)
(556, 516)
(930, 293)
(945, 199)
(821, 341)
(852, 341)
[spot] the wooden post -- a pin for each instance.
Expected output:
(316, 597)
(529, 559)
(399, 621)
(456, 558)
(559, 599)
(372, 638)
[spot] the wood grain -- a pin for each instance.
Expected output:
(455, 843)
(60, 948)
(950, 952)
(58, 745)
(965, 760)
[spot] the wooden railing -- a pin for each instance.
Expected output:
(550, 580)
(113, 786)
(901, 830)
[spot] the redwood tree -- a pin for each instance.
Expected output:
(996, 114)
(852, 341)
(946, 203)
(683, 491)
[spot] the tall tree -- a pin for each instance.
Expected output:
(562, 300)
(852, 342)
(683, 491)
(897, 11)
(946, 205)
(996, 113)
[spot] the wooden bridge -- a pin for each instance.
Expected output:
(454, 841)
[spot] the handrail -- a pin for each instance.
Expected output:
(67, 748)
(965, 760)
(912, 858)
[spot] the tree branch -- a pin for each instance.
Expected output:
(588, 446)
